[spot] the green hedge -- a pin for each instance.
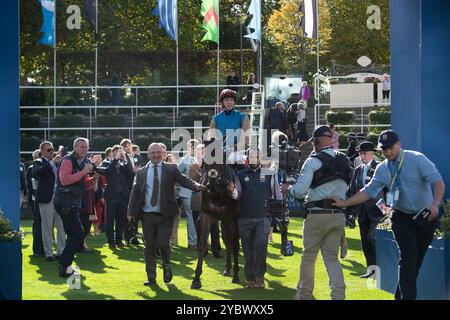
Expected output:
(188, 119)
(101, 142)
(29, 143)
(151, 119)
(340, 117)
(111, 120)
(69, 121)
(381, 116)
(30, 121)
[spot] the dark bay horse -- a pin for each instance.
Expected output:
(217, 204)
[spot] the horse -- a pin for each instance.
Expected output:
(217, 204)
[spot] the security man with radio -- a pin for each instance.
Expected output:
(368, 213)
(325, 174)
(415, 188)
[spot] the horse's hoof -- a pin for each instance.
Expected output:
(236, 280)
(227, 273)
(196, 285)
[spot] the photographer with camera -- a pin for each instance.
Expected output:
(325, 174)
(68, 199)
(117, 194)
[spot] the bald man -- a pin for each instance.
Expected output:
(152, 200)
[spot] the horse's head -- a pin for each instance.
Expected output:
(216, 175)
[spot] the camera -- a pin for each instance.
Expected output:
(289, 158)
(99, 170)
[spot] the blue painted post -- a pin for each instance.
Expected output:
(10, 253)
(420, 67)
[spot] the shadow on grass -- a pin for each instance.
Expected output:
(173, 294)
(48, 271)
(355, 267)
(85, 294)
(273, 289)
(93, 261)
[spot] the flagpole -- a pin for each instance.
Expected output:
(178, 73)
(54, 63)
(218, 50)
(318, 54)
(96, 59)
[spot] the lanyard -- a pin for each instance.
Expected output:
(394, 179)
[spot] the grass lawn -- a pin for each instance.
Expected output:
(120, 273)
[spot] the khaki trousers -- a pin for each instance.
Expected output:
(322, 232)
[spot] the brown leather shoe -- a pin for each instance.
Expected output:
(250, 284)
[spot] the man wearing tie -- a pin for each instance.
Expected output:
(368, 213)
(152, 200)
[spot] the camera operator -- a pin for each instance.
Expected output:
(68, 198)
(325, 174)
(117, 194)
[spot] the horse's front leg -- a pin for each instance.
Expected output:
(204, 223)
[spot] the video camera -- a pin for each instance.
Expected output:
(288, 158)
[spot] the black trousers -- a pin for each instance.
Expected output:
(115, 219)
(413, 241)
(38, 245)
(214, 231)
(75, 235)
(254, 235)
(84, 218)
(156, 230)
(368, 219)
(386, 94)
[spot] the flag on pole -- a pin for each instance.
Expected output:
(309, 18)
(255, 23)
(90, 7)
(48, 25)
(209, 11)
(167, 12)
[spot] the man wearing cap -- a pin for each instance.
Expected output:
(368, 213)
(414, 183)
(324, 175)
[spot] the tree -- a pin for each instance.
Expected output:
(284, 31)
(350, 36)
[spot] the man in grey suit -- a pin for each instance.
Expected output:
(152, 200)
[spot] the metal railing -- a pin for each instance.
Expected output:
(361, 107)
(135, 108)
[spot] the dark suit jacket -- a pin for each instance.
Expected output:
(118, 182)
(30, 189)
(369, 207)
(43, 172)
(169, 176)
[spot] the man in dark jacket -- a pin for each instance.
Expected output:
(44, 171)
(153, 200)
(38, 246)
(116, 195)
(368, 213)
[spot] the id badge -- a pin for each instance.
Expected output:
(396, 194)
(390, 199)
